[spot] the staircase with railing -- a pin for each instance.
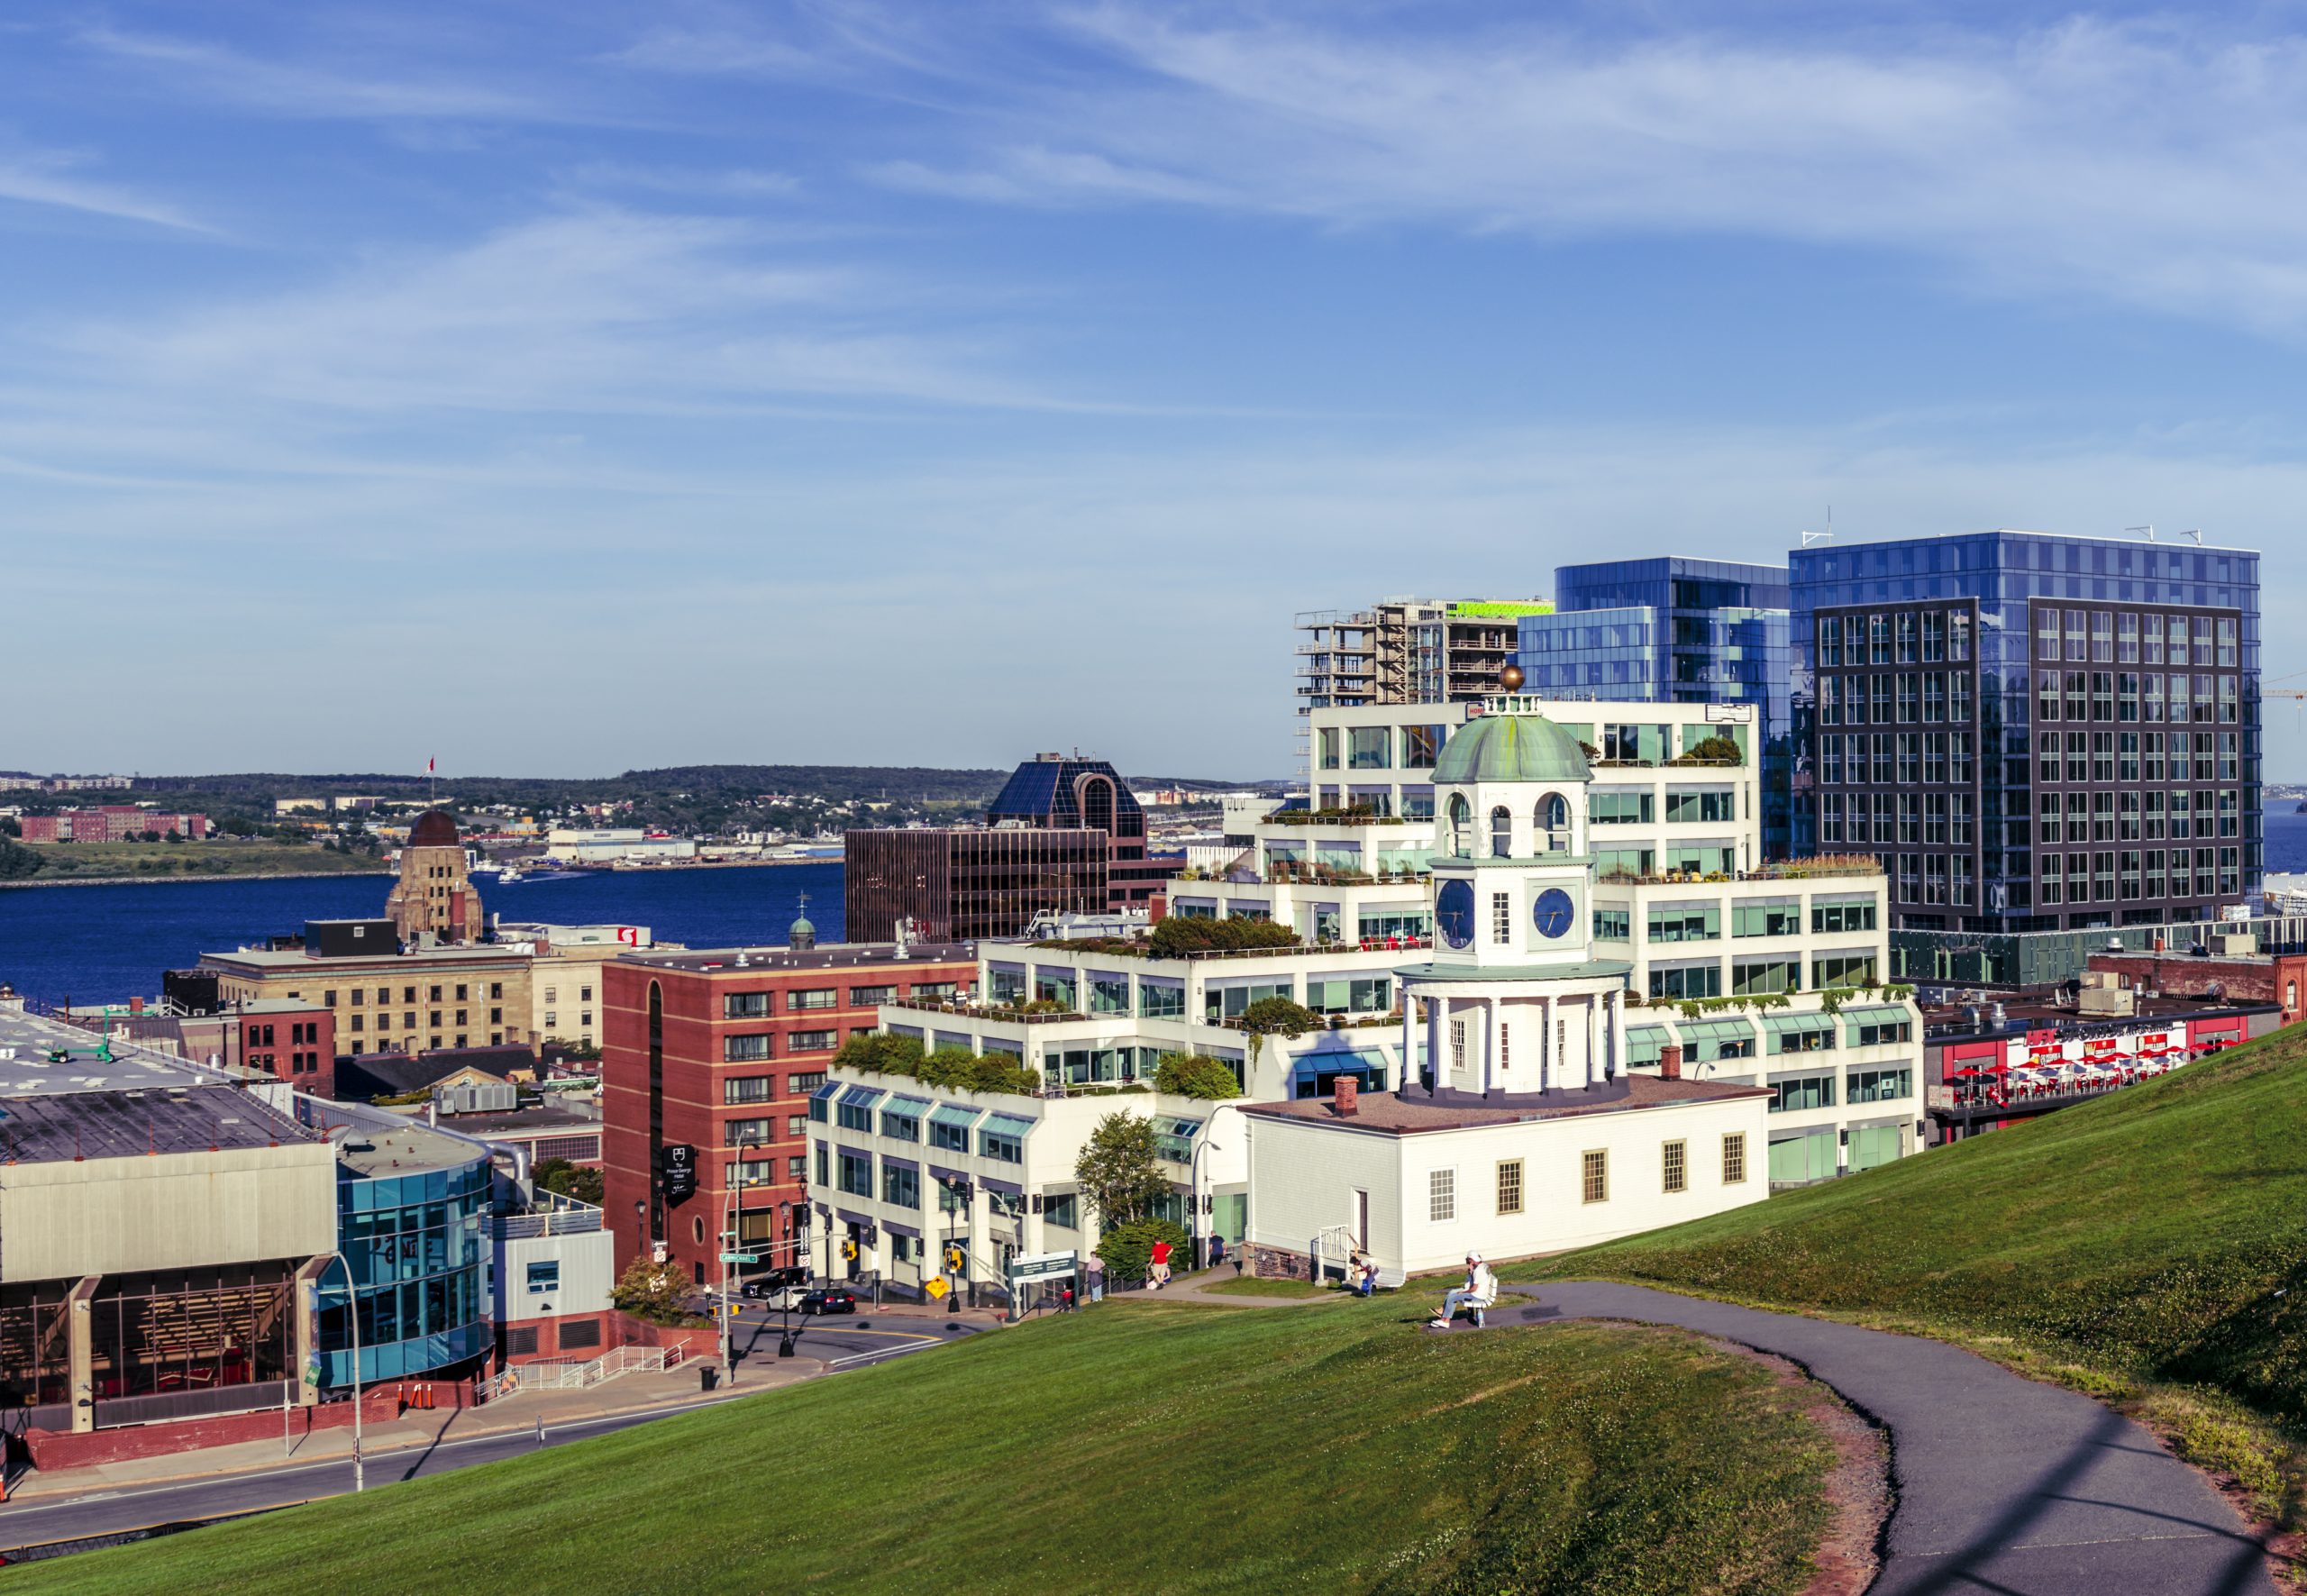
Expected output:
(555, 1375)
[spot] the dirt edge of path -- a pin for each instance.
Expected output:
(1858, 1489)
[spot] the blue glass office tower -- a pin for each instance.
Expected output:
(1670, 630)
(2032, 732)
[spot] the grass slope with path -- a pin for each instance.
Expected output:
(2149, 1247)
(1129, 1448)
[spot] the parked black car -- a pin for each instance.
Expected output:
(830, 1300)
(773, 1283)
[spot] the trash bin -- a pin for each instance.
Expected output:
(708, 1377)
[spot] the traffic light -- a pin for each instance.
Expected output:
(953, 1259)
(849, 1249)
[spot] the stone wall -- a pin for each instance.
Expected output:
(1279, 1263)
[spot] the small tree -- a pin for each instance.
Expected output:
(1192, 1075)
(1127, 1250)
(652, 1292)
(571, 1179)
(1119, 1170)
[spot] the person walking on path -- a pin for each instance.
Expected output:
(1479, 1292)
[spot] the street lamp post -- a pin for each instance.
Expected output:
(1193, 1200)
(353, 1315)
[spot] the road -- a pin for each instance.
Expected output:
(840, 1345)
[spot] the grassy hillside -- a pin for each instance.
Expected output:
(2151, 1247)
(1128, 1449)
(152, 861)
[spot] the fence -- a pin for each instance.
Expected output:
(568, 1376)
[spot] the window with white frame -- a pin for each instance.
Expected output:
(1442, 1196)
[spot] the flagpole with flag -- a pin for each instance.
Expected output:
(431, 785)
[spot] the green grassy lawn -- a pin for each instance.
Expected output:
(1130, 1448)
(1249, 1285)
(90, 862)
(2157, 1235)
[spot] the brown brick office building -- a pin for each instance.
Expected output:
(717, 1052)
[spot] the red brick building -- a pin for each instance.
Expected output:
(112, 823)
(2252, 978)
(294, 1042)
(708, 1051)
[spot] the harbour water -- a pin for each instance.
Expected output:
(106, 944)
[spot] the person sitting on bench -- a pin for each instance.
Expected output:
(1479, 1292)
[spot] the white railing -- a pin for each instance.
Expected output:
(574, 1376)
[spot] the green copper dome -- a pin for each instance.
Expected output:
(1510, 748)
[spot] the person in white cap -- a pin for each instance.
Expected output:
(1480, 1291)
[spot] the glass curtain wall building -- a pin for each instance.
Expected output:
(417, 1242)
(1671, 630)
(2032, 732)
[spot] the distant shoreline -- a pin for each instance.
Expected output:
(188, 880)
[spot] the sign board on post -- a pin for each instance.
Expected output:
(677, 1172)
(1040, 1266)
(937, 1288)
(740, 1257)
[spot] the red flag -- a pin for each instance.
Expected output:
(428, 767)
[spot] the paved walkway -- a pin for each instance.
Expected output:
(2003, 1485)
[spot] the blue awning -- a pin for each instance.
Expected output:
(954, 1115)
(862, 1097)
(907, 1108)
(1333, 1059)
(1008, 1125)
(827, 1092)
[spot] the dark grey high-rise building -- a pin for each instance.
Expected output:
(2032, 732)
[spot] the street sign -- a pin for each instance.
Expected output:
(1040, 1266)
(937, 1287)
(313, 1369)
(740, 1257)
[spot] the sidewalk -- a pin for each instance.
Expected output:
(509, 1415)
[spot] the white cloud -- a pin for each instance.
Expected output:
(599, 310)
(2148, 164)
(49, 179)
(306, 90)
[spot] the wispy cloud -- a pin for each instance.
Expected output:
(728, 183)
(598, 310)
(2132, 162)
(52, 179)
(315, 91)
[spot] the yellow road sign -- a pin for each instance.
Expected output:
(937, 1288)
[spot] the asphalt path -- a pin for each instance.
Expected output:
(839, 1344)
(2003, 1484)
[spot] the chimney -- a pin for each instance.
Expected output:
(1670, 1061)
(1348, 1101)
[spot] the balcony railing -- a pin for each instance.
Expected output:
(986, 1011)
(551, 1214)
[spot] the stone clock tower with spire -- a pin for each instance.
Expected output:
(1515, 1002)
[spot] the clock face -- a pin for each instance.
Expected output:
(1454, 913)
(1553, 912)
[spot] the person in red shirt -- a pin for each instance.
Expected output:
(1159, 1273)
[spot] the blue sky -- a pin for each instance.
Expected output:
(563, 388)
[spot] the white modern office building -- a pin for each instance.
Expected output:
(1532, 1131)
